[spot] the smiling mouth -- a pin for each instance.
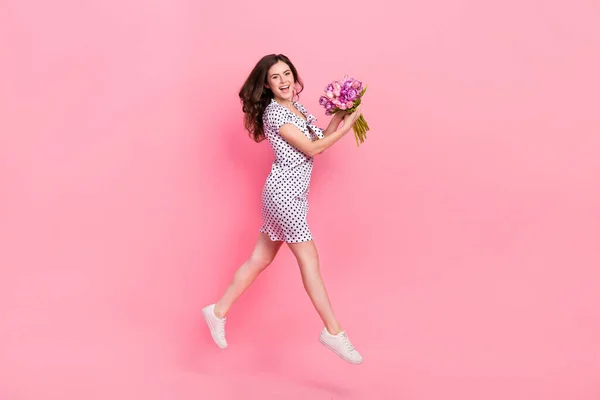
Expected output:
(284, 88)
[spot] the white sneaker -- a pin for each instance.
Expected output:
(341, 345)
(216, 325)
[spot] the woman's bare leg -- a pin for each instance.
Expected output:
(333, 336)
(308, 260)
(262, 256)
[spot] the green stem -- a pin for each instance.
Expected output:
(356, 129)
(363, 122)
(360, 129)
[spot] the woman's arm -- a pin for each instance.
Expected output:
(296, 138)
(334, 122)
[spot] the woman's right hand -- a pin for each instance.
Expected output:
(350, 119)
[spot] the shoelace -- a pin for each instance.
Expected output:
(347, 342)
(222, 327)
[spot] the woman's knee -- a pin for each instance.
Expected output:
(261, 261)
(305, 253)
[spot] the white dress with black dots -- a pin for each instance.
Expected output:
(285, 193)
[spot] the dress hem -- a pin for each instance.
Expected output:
(279, 239)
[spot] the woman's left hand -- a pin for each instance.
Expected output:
(334, 122)
(338, 117)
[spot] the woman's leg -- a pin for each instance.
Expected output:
(308, 260)
(332, 336)
(262, 256)
(214, 314)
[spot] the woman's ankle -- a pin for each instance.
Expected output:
(219, 312)
(334, 329)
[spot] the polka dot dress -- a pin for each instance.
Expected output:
(285, 193)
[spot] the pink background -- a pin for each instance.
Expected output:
(460, 244)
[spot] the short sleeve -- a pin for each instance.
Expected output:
(310, 121)
(301, 107)
(275, 117)
(317, 131)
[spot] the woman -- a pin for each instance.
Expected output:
(271, 112)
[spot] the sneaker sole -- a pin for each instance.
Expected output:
(212, 335)
(324, 343)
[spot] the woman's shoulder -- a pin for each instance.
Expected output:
(300, 106)
(273, 106)
(275, 115)
(272, 109)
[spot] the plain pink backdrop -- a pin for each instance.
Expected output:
(460, 244)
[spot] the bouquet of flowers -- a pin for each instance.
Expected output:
(346, 95)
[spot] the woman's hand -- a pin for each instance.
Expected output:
(337, 119)
(334, 122)
(350, 119)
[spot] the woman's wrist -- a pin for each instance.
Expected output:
(338, 116)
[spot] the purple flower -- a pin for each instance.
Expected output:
(352, 94)
(323, 100)
(329, 88)
(343, 95)
(347, 84)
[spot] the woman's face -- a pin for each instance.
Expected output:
(280, 80)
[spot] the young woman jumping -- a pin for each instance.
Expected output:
(271, 112)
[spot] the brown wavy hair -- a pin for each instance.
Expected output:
(255, 96)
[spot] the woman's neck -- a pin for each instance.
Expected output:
(285, 103)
